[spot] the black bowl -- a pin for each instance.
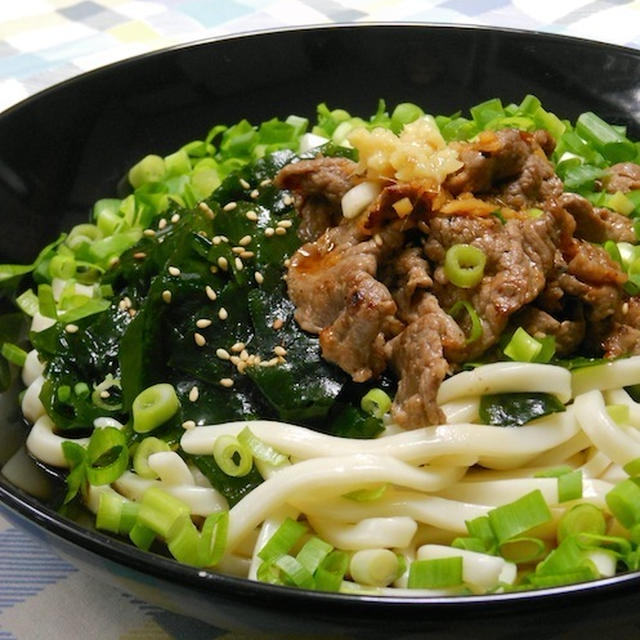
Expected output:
(68, 146)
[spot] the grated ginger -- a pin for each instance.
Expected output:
(419, 153)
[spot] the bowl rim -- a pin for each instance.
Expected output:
(165, 568)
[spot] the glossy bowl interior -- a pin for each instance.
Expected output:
(68, 146)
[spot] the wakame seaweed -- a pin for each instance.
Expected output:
(516, 409)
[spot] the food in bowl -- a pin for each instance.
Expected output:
(390, 354)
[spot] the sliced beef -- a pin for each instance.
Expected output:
(624, 176)
(418, 357)
(333, 285)
(510, 165)
(520, 255)
(623, 337)
(318, 186)
(597, 224)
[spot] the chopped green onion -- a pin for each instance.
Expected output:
(624, 502)
(88, 308)
(109, 512)
(581, 518)
(367, 495)
(633, 467)
(147, 447)
(76, 456)
(62, 267)
(523, 550)
(28, 302)
(46, 302)
(105, 389)
(513, 519)
(81, 389)
(480, 528)
(620, 203)
(464, 265)
(150, 169)
(184, 541)
(142, 536)
(522, 347)
(107, 456)
(128, 516)
(614, 146)
(153, 407)
(330, 573)
(376, 403)
(476, 324)
(213, 540)
(161, 512)
(232, 457)
(436, 573)
(260, 449)
(64, 393)
(313, 552)
(294, 572)
(619, 413)
(554, 472)
(405, 113)
(570, 486)
(469, 544)
(13, 353)
(281, 542)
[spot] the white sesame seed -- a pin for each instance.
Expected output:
(223, 263)
(162, 224)
(194, 393)
(105, 394)
(132, 312)
(199, 339)
(251, 215)
(127, 301)
(239, 264)
(213, 268)
(242, 365)
(149, 233)
(211, 294)
(174, 271)
(244, 241)
(244, 184)
(259, 278)
(266, 182)
(287, 200)
(287, 263)
(255, 193)
(273, 362)
(625, 308)
(203, 234)
(139, 255)
(269, 231)
(280, 231)
(224, 238)
(217, 240)
(277, 323)
(235, 360)
(247, 254)
(244, 355)
(238, 347)
(230, 206)
(166, 296)
(204, 207)
(188, 424)
(223, 354)
(378, 240)
(280, 351)
(285, 224)
(237, 250)
(71, 328)
(203, 323)
(175, 218)
(222, 314)
(226, 382)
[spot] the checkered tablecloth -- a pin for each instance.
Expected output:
(43, 42)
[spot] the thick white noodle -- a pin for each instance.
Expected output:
(610, 438)
(201, 500)
(32, 408)
(171, 468)
(32, 368)
(449, 515)
(480, 571)
(507, 377)
(46, 446)
(492, 446)
(328, 476)
(462, 410)
(612, 375)
(369, 533)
